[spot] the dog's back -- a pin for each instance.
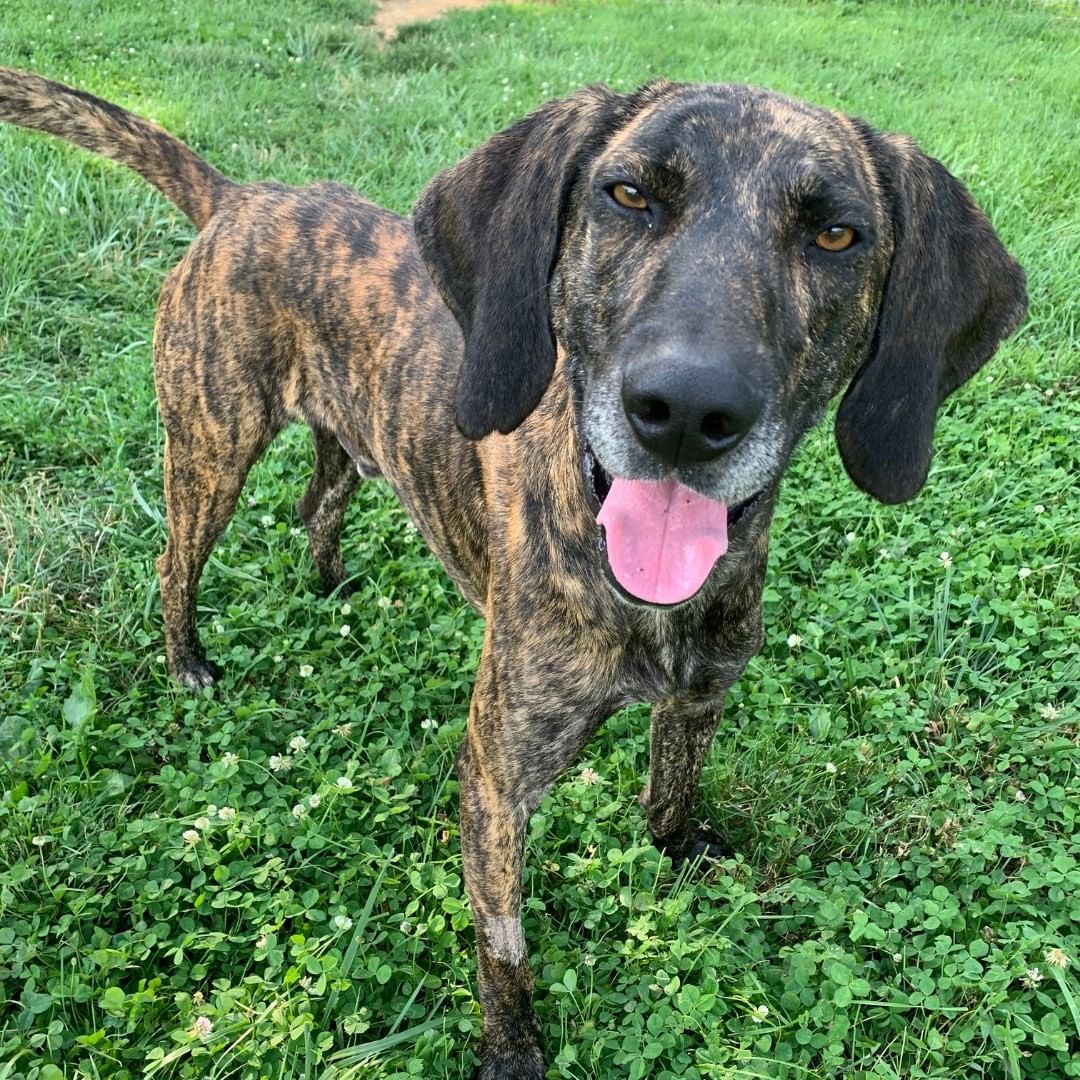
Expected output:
(307, 304)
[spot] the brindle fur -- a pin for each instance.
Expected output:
(314, 305)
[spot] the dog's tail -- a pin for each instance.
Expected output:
(175, 170)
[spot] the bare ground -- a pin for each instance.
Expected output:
(391, 15)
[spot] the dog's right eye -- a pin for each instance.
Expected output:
(836, 238)
(627, 195)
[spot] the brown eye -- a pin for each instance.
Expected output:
(837, 238)
(627, 195)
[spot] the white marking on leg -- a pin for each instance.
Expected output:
(504, 937)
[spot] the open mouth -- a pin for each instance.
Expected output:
(599, 479)
(661, 538)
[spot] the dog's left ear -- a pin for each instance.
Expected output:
(953, 292)
(488, 230)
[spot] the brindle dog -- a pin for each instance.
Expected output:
(658, 293)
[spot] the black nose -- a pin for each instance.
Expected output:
(688, 412)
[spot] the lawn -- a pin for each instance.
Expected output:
(264, 879)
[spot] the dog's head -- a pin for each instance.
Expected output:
(717, 262)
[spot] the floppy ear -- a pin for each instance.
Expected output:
(488, 230)
(952, 293)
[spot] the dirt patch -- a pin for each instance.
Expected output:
(393, 14)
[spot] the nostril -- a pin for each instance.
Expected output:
(652, 410)
(718, 427)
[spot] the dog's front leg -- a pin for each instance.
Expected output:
(492, 842)
(680, 735)
(516, 746)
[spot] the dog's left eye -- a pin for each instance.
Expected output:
(836, 238)
(627, 195)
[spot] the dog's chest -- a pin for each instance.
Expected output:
(694, 654)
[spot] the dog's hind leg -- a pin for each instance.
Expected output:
(202, 483)
(322, 507)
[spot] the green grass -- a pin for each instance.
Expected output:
(901, 780)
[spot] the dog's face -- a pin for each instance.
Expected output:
(717, 262)
(718, 279)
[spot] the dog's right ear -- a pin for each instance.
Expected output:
(488, 230)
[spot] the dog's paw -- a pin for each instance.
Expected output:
(523, 1063)
(702, 847)
(197, 674)
(337, 586)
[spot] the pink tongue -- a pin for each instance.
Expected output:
(662, 538)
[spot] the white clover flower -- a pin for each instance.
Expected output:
(202, 823)
(851, 537)
(344, 730)
(278, 658)
(1056, 958)
(261, 941)
(230, 759)
(345, 630)
(294, 530)
(227, 813)
(342, 922)
(1023, 572)
(191, 836)
(794, 641)
(759, 1013)
(885, 553)
(589, 777)
(306, 671)
(299, 810)
(346, 608)
(62, 210)
(1039, 508)
(384, 602)
(203, 1028)
(830, 767)
(1049, 711)
(280, 763)
(343, 783)
(267, 521)
(1032, 978)
(946, 559)
(428, 724)
(313, 802)
(298, 744)
(40, 841)
(1020, 796)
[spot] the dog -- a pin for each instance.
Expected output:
(582, 366)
